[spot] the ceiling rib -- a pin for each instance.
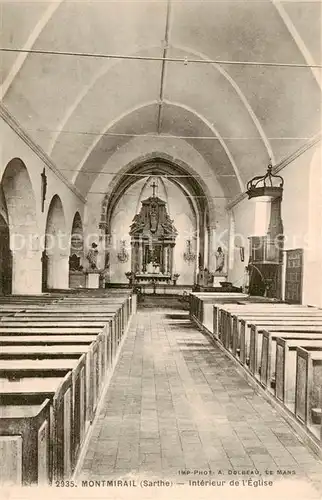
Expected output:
(299, 42)
(27, 49)
(164, 56)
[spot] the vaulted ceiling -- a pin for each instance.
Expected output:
(81, 110)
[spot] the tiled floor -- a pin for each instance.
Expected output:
(177, 404)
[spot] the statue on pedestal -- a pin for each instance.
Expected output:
(220, 260)
(92, 257)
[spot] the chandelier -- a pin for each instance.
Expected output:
(123, 255)
(189, 256)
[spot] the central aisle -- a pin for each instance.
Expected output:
(177, 403)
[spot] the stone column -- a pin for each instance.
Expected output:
(103, 243)
(140, 256)
(165, 259)
(197, 259)
(201, 260)
(26, 272)
(133, 256)
(171, 260)
(206, 248)
(211, 249)
(58, 270)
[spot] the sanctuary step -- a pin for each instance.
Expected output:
(170, 301)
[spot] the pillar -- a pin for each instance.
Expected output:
(58, 270)
(211, 249)
(26, 272)
(197, 258)
(140, 256)
(206, 248)
(132, 256)
(165, 259)
(171, 260)
(103, 249)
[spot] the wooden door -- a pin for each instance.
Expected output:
(294, 276)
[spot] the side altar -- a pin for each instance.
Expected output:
(153, 237)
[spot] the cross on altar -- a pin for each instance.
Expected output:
(154, 186)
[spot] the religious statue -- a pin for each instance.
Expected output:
(92, 257)
(220, 260)
(153, 219)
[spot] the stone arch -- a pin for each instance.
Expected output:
(56, 248)
(20, 200)
(157, 163)
(178, 172)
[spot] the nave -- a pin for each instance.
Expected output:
(177, 403)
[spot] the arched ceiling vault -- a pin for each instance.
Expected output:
(186, 120)
(81, 110)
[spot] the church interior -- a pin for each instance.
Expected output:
(161, 243)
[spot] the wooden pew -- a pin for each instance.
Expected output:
(25, 368)
(203, 312)
(223, 321)
(34, 325)
(285, 371)
(62, 330)
(46, 339)
(228, 317)
(43, 351)
(308, 386)
(250, 348)
(18, 368)
(98, 358)
(25, 445)
(49, 324)
(234, 323)
(267, 341)
(226, 320)
(68, 328)
(110, 320)
(27, 393)
(197, 300)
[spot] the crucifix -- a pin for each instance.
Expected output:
(43, 188)
(154, 186)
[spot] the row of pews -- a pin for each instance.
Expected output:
(278, 344)
(56, 354)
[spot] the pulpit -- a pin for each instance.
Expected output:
(153, 238)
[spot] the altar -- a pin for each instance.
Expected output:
(153, 238)
(150, 277)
